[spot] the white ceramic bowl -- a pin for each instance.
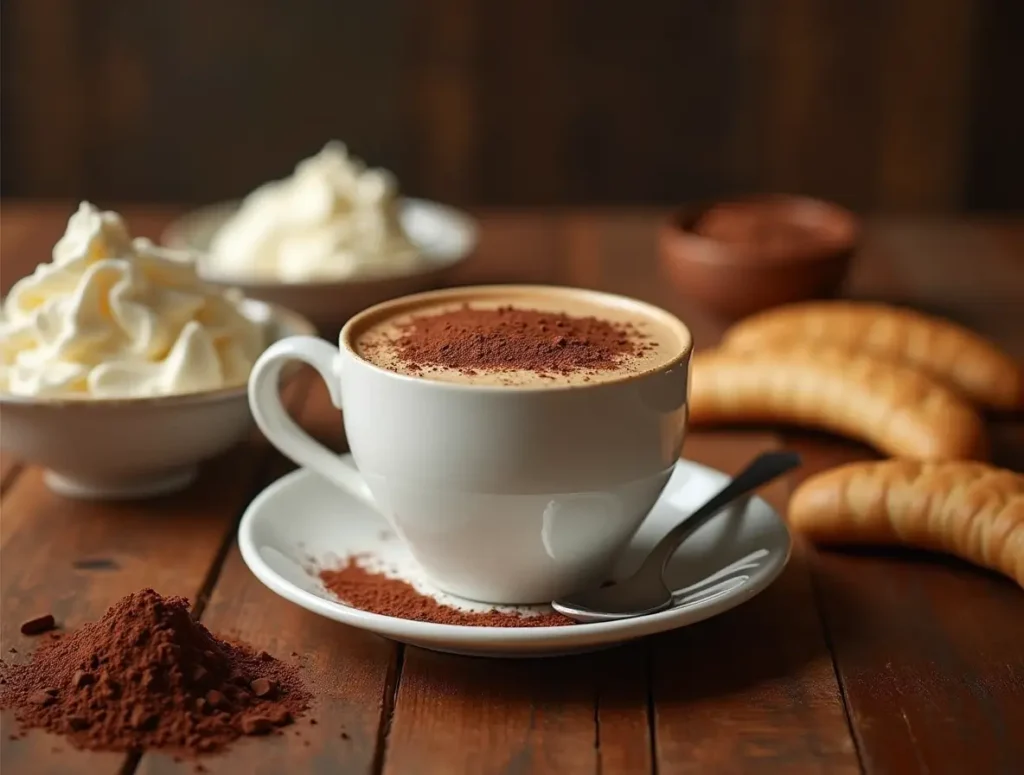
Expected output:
(137, 447)
(445, 236)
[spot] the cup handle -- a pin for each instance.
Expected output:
(281, 430)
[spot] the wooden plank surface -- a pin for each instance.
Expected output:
(625, 742)
(8, 468)
(973, 273)
(352, 671)
(781, 708)
(455, 715)
(888, 662)
(75, 559)
(914, 636)
(752, 690)
(929, 650)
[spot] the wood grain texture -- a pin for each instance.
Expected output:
(150, 99)
(44, 48)
(625, 743)
(939, 265)
(8, 468)
(751, 690)
(664, 73)
(75, 559)
(812, 115)
(351, 672)
(915, 636)
(924, 103)
(456, 715)
(927, 653)
(996, 117)
(524, 103)
(440, 100)
(513, 86)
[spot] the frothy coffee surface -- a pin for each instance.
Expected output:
(519, 339)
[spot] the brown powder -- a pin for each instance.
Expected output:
(148, 675)
(360, 588)
(38, 625)
(766, 228)
(509, 338)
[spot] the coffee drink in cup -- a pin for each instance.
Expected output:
(513, 436)
(517, 339)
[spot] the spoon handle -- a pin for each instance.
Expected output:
(765, 468)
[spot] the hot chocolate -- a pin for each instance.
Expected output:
(514, 436)
(519, 337)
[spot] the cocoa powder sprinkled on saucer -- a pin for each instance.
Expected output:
(377, 593)
(512, 339)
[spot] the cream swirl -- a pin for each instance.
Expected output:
(332, 219)
(112, 317)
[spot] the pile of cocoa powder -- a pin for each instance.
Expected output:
(377, 593)
(509, 338)
(147, 675)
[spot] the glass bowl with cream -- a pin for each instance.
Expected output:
(120, 368)
(329, 240)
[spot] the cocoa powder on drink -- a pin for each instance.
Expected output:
(509, 338)
(147, 676)
(377, 593)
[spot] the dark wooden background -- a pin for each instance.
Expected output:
(879, 104)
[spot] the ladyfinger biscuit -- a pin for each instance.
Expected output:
(972, 510)
(959, 357)
(896, 409)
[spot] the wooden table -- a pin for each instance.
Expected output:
(850, 662)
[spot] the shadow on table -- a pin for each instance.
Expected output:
(772, 640)
(852, 577)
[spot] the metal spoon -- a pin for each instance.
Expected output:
(645, 591)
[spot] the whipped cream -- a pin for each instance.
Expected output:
(113, 317)
(332, 219)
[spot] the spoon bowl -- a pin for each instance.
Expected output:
(641, 594)
(645, 592)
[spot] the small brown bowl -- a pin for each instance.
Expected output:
(741, 256)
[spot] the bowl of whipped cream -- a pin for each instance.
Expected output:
(328, 241)
(120, 368)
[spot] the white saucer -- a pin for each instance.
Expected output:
(726, 562)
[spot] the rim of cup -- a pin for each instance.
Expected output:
(467, 292)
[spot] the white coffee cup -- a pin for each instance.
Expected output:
(502, 494)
